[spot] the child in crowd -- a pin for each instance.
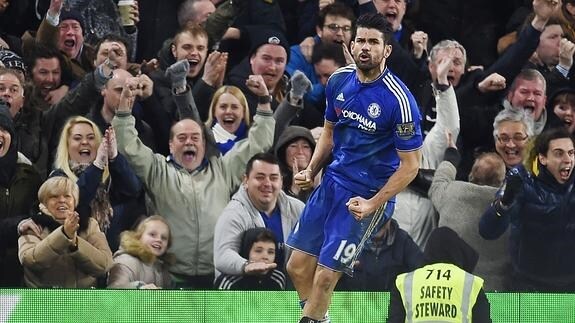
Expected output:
(259, 245)
(142, 261)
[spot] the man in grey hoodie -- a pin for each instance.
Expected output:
(260, 202)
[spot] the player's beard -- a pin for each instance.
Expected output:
(367, 66)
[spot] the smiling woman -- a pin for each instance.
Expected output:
(69, 251)
(229, 117)
(104, 177)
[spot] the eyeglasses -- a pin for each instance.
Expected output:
(516, 138)
(335, 28)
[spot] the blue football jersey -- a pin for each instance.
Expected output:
(372, 122)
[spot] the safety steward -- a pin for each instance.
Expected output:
(444, 290)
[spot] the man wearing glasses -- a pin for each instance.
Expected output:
(333, 25)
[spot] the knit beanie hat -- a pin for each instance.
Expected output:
(71, 14)
(11, 60)
(267, 35)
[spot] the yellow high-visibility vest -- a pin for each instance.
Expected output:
(438, 293)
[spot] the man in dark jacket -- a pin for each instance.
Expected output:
(19, 183)
(540, 211)
(388, 252)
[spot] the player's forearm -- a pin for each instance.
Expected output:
(399, 180)
(322, 151)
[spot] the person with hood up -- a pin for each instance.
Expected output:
(293, 150)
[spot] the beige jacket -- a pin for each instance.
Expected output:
(48, 261)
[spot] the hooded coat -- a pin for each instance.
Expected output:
(135, 265)
(289, 135)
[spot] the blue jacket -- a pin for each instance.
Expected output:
(542, 232)
(298, 62)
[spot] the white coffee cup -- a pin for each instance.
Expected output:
(124, 6)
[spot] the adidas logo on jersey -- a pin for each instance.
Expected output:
(340, 97)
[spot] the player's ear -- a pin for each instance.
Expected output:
(387, 51)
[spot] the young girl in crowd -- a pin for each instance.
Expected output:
(258, 245)
(142, 261)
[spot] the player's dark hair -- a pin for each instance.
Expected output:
(374, 20)
(265, 157)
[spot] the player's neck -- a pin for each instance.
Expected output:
(370, 75)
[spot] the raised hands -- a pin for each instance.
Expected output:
(215, 69)
(101, 160)
(150, 66)
(177, 73)
(300, 85)
(71, 225)
(306, 47)
(566, 50)
(493, 82)
(444, 65)
(513, 183)
(55, 7)
(543, 10)
(138, 86)
(257, 85)
(110, 138)
(108, 149)
(135, 13)
(419, 40)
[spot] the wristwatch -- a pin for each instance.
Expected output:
(265, 99)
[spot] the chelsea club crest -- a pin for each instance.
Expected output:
(374, 110)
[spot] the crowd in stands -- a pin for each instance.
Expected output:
(161, 153)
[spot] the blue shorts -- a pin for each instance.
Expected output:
(328, 231)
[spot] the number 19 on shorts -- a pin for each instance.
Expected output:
(345, 252)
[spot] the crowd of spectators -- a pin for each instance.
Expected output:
(160, 153)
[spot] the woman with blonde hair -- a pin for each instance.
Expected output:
(229, 117)
(143, 261)
(70, 250)
(103, 175)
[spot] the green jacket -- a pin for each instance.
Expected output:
(192, 201)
